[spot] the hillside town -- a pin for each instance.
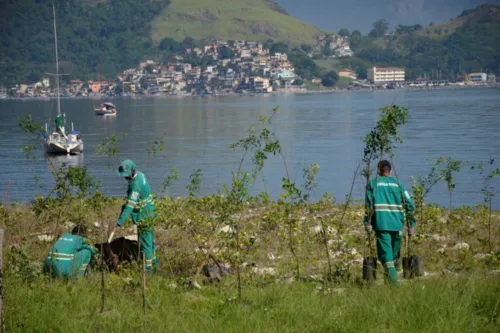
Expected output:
(228, 67)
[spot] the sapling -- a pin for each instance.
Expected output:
(451, 166)
(260, 143)
(194, 186)
(296, 197)
(421, 186)
(488, 192)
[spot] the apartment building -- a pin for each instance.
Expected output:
(386, 74)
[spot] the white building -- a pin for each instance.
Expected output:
(386, 74)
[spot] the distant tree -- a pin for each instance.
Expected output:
(362, 73)
(305, 67)
(330, 79)
(380, 27)
(306, 48)
(298, 82)
(267, 44)
(189, 43)
(326, 50)
(225, 53)
(278, 48)
(355, 40)
(170, 45)
(344, 32)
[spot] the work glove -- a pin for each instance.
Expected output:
(411, 231)
(368, 228)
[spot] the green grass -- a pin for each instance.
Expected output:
(230, 19)
(465, 304)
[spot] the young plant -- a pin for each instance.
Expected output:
(381, 140)
(421, 186)
(488, 191)
(450, 167)
(294, 198)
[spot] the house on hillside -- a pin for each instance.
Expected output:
(348, 73)
(477, 77)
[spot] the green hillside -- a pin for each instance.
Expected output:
(230, 19)
(469, 43)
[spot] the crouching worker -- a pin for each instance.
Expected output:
(70, 255)
(140, 207)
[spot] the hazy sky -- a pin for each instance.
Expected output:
(360, 14)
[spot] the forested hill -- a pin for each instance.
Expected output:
(469, 43)
(115, 33)
(109, 35)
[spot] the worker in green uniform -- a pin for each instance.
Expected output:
(60, 124)
(388, 206)
(70, 255)
(140, 207)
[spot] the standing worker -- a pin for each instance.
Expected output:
(140, 207)
(70, 255)
(387, 205)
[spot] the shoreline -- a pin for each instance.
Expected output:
(274, 93)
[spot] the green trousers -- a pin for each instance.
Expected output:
(388, 251)
(147, 242)
(68, 268)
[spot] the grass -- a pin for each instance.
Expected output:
(230, 19)
(465, 298)
(448, 304)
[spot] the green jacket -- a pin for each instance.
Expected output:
(59, 121)
(67, 246)
(140, 204)
(385, 208)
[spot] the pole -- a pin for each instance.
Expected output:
(2, 319)
(57, 62)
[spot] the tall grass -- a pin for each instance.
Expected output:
(448, 304)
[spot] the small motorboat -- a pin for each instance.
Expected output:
(106, 109)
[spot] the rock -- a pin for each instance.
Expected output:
(461, 246)
(441, 249)
(227, 229)
(265, 271)
(336, 254)
(70, 225)
(352, 251)
(316, 230)
(45, 238)
(481, 256)
(438, 238)
(194, 285)
(358, 261)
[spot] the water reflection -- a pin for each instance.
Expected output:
(57, 161)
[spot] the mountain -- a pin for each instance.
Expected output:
(360, 14)
(106, 36)
(231, 19)
(469, 43)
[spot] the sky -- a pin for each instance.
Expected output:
(332, 15)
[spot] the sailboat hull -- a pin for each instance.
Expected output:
(57, 144)
(54, 148)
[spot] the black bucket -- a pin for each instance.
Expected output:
(369, 268)
(413, 266)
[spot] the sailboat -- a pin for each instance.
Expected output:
(59, 142)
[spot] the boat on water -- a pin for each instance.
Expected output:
(60, 142)
(106, 109)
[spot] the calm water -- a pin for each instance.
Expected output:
(327, 129)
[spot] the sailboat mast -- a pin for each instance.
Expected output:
(57, 62)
